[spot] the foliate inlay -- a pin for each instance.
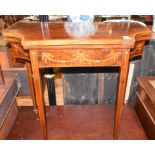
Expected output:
(138, 49)
(19, 52)
(87, 56)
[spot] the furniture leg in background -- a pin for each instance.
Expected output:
(49, 76)
(2, 82)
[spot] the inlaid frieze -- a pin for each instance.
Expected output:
(79, 57)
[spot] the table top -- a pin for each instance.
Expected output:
(100, 33)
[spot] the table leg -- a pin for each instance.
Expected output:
(2, 82)
(121, 92)
(39, 94)
(31, 84)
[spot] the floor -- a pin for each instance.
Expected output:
(77, 122)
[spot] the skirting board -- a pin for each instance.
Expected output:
(27, 101)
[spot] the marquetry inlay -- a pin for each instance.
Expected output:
(19, 52)
(138, 49)
(80, 56)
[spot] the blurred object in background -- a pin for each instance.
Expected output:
(58, 18)
(80, 18)
(7, 20)
(147, 19)
(113, 17)
(43, 18)
(153, 24)
(54, 18)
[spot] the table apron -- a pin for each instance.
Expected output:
(79, 57)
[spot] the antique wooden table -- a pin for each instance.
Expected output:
(110, 44)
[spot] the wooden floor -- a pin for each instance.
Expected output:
(74, 122)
